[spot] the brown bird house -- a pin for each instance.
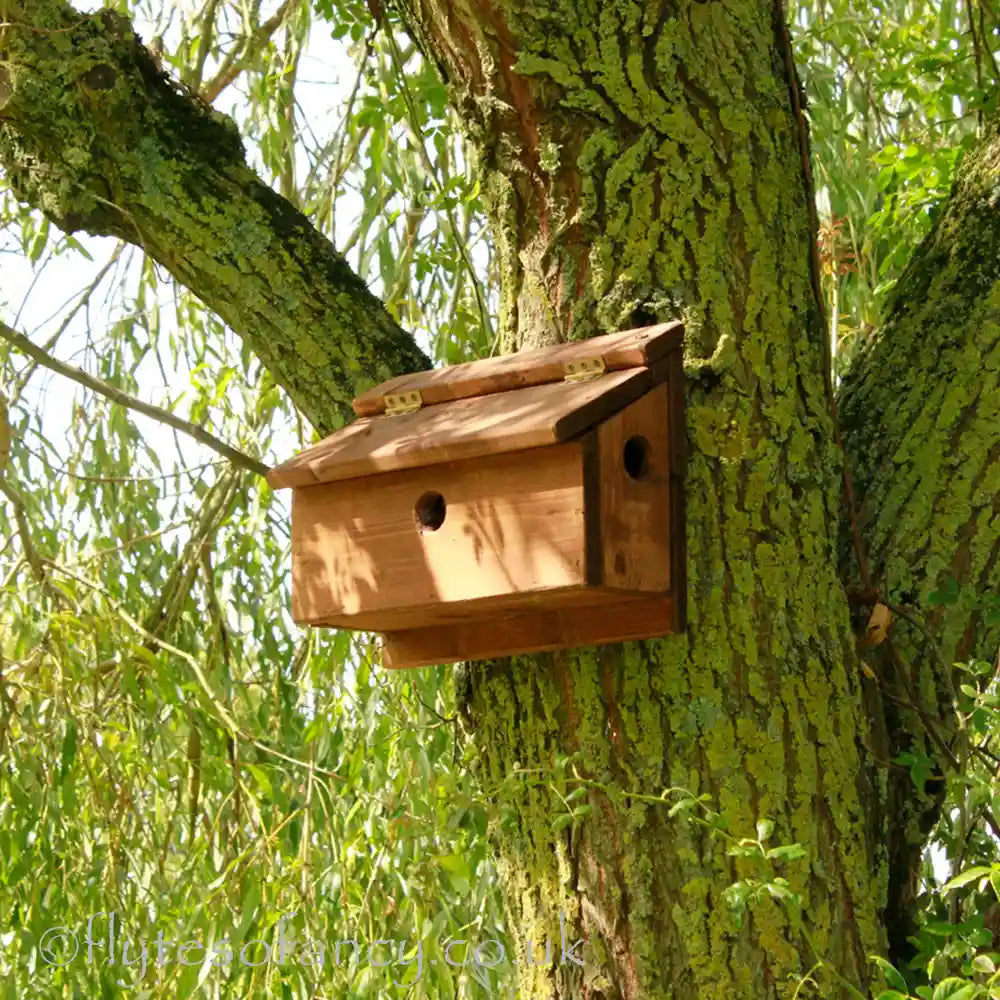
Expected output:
(510, 505)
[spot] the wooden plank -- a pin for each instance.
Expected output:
(627, 349)
(592, 506)
(608, 620)
(508, 524)
(634, 505)
(467, 428)
(674, 364)
(427, 615)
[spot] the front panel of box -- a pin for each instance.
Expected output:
(436, 537)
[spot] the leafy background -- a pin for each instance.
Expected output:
(173, 750)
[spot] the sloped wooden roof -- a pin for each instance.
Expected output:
(485, 407)
(628, 349)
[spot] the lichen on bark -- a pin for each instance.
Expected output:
(94, 135)
(642, 163)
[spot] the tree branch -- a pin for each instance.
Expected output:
(249, 47)
(122, 398)
(31, 554)
(919, 409)
(920, 412)
(98, 138)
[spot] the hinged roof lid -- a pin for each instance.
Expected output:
(628, 349)
(470, 410)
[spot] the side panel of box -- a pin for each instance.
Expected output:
(439, 536)
(674, 365)
(631, 465)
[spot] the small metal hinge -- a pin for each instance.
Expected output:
(584, 370)
(403, 402)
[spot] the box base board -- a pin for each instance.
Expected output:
(536, 631)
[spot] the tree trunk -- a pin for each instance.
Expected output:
(920, 410)
(95, 135)
(921, 416)
(644, 162)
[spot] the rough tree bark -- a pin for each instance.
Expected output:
(94, 134)
(641, 162)
(920, 411)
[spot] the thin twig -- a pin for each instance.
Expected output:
(237, 58)
(122, 398)
(83, 298)
(338, 155)
(412, 121)
(31, 554)
(43, 31)
(205, 39)
(286, 95)
(977, 50)
(982, 34)
(62, 470)
(909, 683)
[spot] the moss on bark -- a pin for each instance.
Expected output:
(94, 135)
(642, 161)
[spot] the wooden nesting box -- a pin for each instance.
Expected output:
(515, 504)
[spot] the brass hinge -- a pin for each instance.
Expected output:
(584, 370)
(403, 402)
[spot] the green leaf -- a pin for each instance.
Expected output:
(788, 852)
(985, 964)
(940, 928)
(456, 864)
(68, 751)
(262, 779)
(892, 975)
(957, 989)
(970, 875)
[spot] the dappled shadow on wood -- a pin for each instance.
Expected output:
(466, 428)
(511, 524)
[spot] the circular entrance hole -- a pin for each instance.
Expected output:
(635, 456)
(430, 510)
